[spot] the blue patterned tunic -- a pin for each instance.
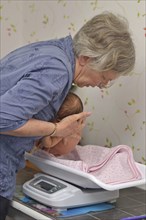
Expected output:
(34, 81)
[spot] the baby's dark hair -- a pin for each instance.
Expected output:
(71, 105)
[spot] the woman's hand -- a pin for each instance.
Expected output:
(71, 124)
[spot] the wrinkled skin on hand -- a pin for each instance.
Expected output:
(58, 145)
(71, 124)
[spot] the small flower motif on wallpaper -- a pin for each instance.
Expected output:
(133, 134)
(66, 16)
(11, 29)
(32, 34)
(94, 4)
(93, 108)
(128, 128)
(32, 7)
(71, 27)
(120, 84)
(143, 125)
(86, 101)
(1, 6)
(144, 160)
(108, 143)
(104, 92)
(139, 14)
(132, 102)
(90, 125)
(45, 19)
(63, 2)
(134, 148)
(137, 111)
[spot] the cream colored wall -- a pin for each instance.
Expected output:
(118, 114)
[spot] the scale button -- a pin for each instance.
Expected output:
(59, 187)
(51, 191)
(55, 189)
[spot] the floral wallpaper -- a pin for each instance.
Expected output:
(118, 113)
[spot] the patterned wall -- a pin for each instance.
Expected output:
(118, 113)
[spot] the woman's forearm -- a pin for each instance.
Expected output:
(31, 128)
(64, 128)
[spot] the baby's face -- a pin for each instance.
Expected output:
(66, 145)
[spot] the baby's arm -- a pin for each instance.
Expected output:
(60, 146)
(66, 145)
(47, 142)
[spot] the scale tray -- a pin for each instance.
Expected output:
(80, 178)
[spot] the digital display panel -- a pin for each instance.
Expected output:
(44, 185)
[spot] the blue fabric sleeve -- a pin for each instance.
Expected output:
(32, 93)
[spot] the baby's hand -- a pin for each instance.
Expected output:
(66, 145)
(48, 142)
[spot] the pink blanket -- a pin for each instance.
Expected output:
(110, 165)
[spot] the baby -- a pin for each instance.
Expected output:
(60, 146)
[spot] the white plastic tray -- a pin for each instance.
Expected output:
(81, 178)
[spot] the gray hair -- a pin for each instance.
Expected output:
(106, 40)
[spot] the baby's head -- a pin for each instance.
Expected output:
(71, 105)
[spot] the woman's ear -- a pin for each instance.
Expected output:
(83, 60)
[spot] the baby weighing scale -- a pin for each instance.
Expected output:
(62, 187)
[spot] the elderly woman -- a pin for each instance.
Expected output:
(36, 78)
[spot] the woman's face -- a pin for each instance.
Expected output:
(88, 77)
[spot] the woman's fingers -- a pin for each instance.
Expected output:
(71, 124)
(78, 117)
(82, 116)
